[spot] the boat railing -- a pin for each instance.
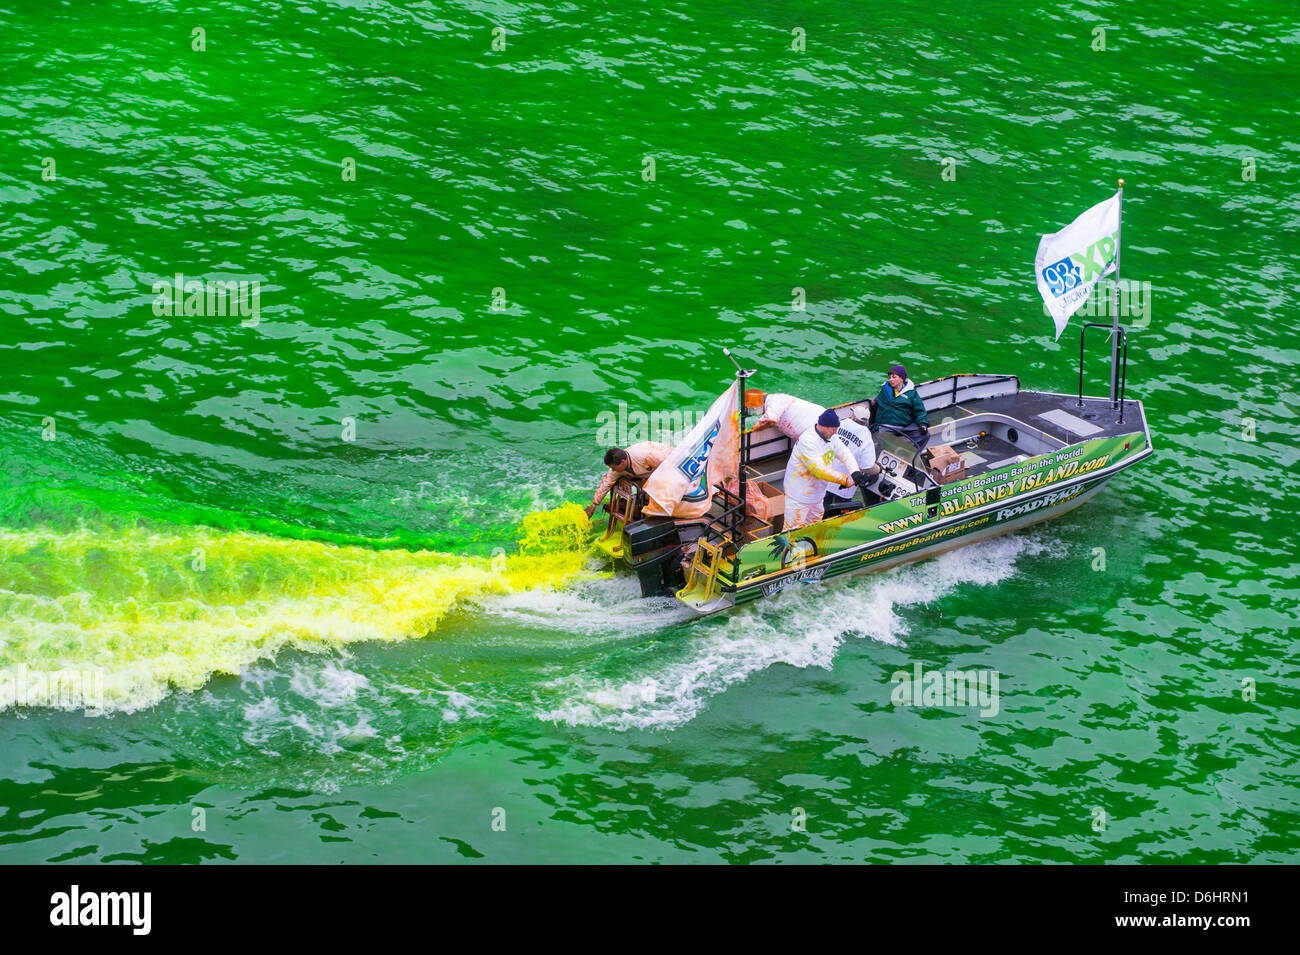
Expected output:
(1123, 367)
(772, 444)
(704, 564)
(623, 503)
(726, 526)
(946, 392)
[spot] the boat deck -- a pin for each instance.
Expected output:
(1057, 415)
(1058, 420)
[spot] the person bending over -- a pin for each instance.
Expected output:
(636, 461)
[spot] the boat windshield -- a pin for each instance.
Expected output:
(901, 449)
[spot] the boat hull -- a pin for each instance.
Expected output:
(870, 563)
(929, 540)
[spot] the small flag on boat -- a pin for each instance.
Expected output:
(1070, 262)
(683, 485)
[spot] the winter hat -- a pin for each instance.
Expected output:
(900, 371)
(828, 419)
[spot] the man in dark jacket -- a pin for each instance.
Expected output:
(899, 408)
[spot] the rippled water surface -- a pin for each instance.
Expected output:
(319, 561)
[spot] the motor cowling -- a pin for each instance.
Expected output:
(652, 547)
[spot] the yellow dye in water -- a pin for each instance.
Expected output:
(117, 620)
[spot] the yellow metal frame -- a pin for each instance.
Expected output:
(698, 566)
(627, 493)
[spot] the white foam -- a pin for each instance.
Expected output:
(802, 627)
(263, 717)
(611, 607)
(273, 722)
(328, 686)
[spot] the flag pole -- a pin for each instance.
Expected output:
(742, 457)
(1114, 309)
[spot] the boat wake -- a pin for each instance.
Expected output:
(115, 619)
(802, 628)
(609, 608)
(139, 613)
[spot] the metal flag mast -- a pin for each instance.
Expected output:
(1114, 310)
(742, 451)
(1118, 334)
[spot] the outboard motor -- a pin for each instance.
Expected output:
(653, 548)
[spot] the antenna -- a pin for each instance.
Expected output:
(740, 372)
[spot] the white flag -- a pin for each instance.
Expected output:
(683, 485)
(1070, 262)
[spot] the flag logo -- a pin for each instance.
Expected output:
(1069, 263)
(1062, 276)
(695, 466)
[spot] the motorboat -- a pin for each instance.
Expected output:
(1011, 457)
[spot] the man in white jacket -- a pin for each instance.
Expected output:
(858, 439)
(792, 416)
(810, 471)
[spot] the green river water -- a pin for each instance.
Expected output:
(294, 557)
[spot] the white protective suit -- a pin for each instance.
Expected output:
(857, 438)
(793, 416)
(810, 471)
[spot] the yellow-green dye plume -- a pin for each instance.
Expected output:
(117, 620)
